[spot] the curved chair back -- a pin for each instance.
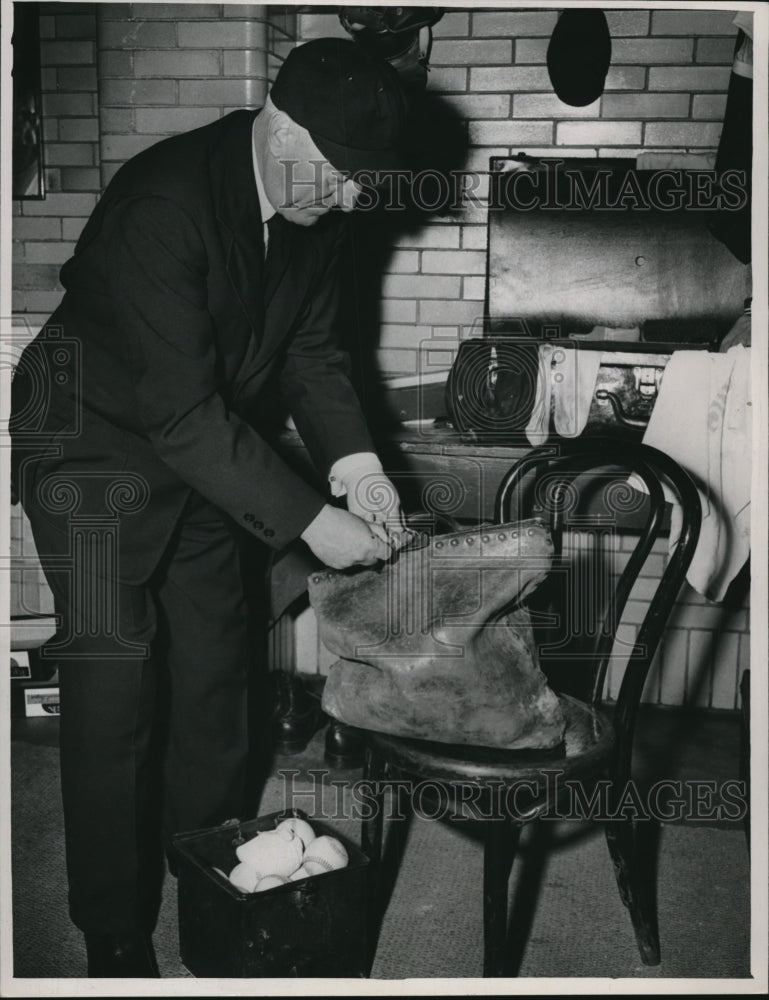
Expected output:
(562, 483)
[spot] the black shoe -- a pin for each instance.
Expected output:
(121, 956)
(297, 714)
(344, 746)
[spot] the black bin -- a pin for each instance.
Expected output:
(316, 927)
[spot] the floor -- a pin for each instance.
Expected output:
(702, 876)
(671, 744)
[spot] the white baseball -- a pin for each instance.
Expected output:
(244, 877)
(270, 882)
(300, 827)
(300, 873)
(272, 853)
(324, 854)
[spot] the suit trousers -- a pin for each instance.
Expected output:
(154, 709)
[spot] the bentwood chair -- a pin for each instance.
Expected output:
(582, 490)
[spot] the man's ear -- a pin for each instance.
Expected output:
(278, 132)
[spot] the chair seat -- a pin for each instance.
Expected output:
(588, 740)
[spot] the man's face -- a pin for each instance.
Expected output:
(301, 184)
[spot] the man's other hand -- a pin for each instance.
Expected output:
(373, 498)
(341, 539)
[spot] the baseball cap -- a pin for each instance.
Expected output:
(350, 102)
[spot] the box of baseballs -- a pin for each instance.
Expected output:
(283, 895)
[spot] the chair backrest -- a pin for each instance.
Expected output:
(583, 487)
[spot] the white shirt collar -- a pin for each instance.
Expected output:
(265, 205)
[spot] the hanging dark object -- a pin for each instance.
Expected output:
(735, 153)
(579, 55)
(401, 35)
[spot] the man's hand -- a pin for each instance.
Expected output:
(340, 539)
(373, 497)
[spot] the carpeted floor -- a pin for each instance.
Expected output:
(575, 926)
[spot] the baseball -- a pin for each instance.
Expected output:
(299, 874)
(270, 882)
(324, 854)
(298, 826)
(244, 877)
(272, 853)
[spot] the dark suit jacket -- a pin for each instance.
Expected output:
(180, 329)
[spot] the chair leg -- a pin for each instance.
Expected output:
(500, 845)
(372, 824)
(372, 827)
(636, 890)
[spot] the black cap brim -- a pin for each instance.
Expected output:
(352, 161)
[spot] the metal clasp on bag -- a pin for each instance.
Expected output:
(647, 381)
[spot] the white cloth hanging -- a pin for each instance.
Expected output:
(702, 419)
(566, 382)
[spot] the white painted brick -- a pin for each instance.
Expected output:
(437, 311)
(531, 50)
(443, 79)
(480, 105)
(650, 694)
(399, 335)
(509, 79)
(474, 288)
(453, 262)
(398, 311)
(693, 22)
(435, 235)
(419, 286)
(320, 24)
(619, 656)
(402, 262)
(700, 672)
(726, 660)
(158, 121)
(474, 238)
(495, 52)
(560, 152)
(675, 654)
(122, 147)
(514, 23)
(652, 51)
(511, 133)
(715, 50)
(627, 22)
(225, 34)
(48, 253)
(683, 134)
(550, 106)
(710, 106)
(478, 158)
(695, 78)
(643, 106)
(627, 78)
(617, 133)
(453, 24)
(473, 186)
(233, 92)
(392, 361)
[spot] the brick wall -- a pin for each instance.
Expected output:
(45, 231)
(167, 68)
(153, 69)
(115, 79)
(666, 91)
